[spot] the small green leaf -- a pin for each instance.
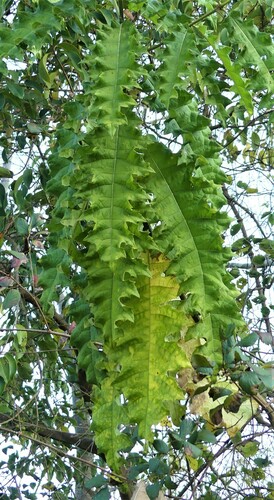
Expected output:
(16, 89)
(265, 311)
(192, 450)
(235, 229)
(153, 490)
(242, 185)
(266, 337)
(11, 364)
(262, 462)
(217, 392)
(42, 69)
(249, 449)
(74, 55)
(249, 382)
(22, 335)
(255, 139)
(170, 484)
(176, 441)
(271, 219)
(5, 173)
(158, 466)
(74, 110)
(206, 436)
(249, 340)
(33, 128)
(21, 226)
(242, 245)
(103, 494)
(5, 281)
(160, 446)
(12, 299)
(95, 482)
(258, 260)
(186, 428)
(266, 375)
(249, 37)
(50, 486)
(267, 246)
(4, 369)
(136, 470)
(234, 72)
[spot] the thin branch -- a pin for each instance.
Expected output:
(268, 408)
(62, 453)
(250, 123)
(203, 468)
(78, 440)
(32, 299)
(35, 330)
(238, 265)
(213, 11)
(163, 137)
(64, 72)
(259, 286)
(251, 215)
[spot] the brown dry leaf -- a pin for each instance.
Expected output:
(129, 15)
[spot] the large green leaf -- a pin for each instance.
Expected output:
(258, 50)
(144, 361)
(108, 183)
(149, 353)
(109, 415)
(31, 27)
(180, 51)
(115, 74)
(191, 236)
(234, 71)
(108, 172)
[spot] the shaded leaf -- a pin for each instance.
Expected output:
(153, 490)
(12, 299)
(95, 482)
(160, 446)
(6, 173)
